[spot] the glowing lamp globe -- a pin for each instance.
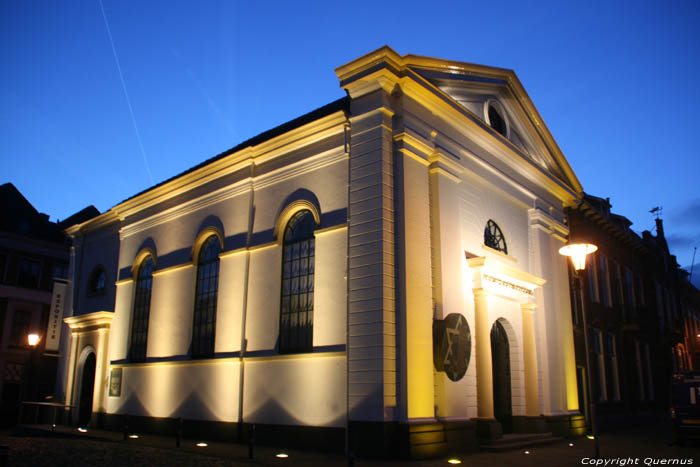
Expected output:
(33, 339)
(578, 253)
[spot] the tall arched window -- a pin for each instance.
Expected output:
(204, 325)
(297, 303)
(142, 306)
(493, 237)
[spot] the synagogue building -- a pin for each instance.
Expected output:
(382, 273)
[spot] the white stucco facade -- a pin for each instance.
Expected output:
(402, 177)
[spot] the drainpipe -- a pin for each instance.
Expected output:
(244, 313)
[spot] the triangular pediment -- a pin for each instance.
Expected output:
(474, 89)
(481, 90)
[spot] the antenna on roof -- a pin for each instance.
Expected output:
(657, 211)
(692, 263)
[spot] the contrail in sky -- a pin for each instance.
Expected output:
(126, 93)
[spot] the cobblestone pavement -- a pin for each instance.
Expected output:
(52, 452)
(650, 445)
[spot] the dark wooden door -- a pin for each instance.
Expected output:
(500, 355)
(86, 391)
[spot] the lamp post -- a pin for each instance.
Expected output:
(578, 249)
(32, 340)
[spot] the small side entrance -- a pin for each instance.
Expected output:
(500, 355)
(87, 387)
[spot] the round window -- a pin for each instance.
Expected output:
(496, 120)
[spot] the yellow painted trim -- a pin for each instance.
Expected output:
(441, 171)
(421, 160)
(246, 158)
(174, 268)
(226, 254)
(509, 270)
(438, 158)
(125, 281)
(140, 257)
(499, 253)
(262, 246)
(332, 228)
(220, 361)
(91, 320)
(415, 142)
(296, 356)
(201, 238)
(289, 211)
(298, 137)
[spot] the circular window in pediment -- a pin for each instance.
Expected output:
(495, 117)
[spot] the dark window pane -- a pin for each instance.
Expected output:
(493, 237)
(28, 274)
(204, 320)
(20, 328)
(296, 317)
(142, 306)
(497, 121)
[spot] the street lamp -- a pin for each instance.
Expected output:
(33, 340)
(578, 248)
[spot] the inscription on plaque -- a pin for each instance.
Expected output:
(115, 382)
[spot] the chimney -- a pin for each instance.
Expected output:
(660, 228)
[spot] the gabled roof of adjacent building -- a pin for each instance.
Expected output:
(19, 217)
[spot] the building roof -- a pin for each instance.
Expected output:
(19, 217)
(341, 104)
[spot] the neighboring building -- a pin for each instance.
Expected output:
(690, 324)
(34, 253)
(640, 313)
(387, 263)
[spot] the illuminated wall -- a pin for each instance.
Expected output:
(402, 182)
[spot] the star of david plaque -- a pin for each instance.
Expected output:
(452, 345)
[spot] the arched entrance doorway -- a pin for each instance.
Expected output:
(87, 386)
(500, 355)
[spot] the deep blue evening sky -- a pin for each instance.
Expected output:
(616, 83)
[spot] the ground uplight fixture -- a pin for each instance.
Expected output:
(202, 444)
(454, 461)
(281, 455)
(33, 339)
(82, 430)
(527, 452)
(590, 436)
(571, 444)
(134, 436)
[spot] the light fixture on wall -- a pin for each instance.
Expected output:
(578, 248)
(33, 340)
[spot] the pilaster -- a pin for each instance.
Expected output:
(532, 405)
(484, 365)
(371, 349)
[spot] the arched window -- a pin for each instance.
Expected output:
(297, 302)
(204, 325)
(142, 307)
(493, 237)
(97, 281)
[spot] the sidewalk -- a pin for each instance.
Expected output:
(38, 445)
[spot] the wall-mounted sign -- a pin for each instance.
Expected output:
(452, 345)
(53, 329)
(115, 382)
